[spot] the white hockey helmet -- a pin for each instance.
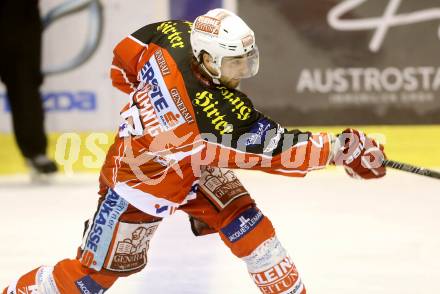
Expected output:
(229, 41)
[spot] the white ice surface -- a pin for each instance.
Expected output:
(345, 236)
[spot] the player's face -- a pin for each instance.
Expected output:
(235, 68)
(242, 66)
(230, 82)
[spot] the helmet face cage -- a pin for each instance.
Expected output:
(229, 41)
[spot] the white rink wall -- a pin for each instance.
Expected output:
(345, 236)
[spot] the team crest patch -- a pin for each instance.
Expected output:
(221, 185)
(131, 246)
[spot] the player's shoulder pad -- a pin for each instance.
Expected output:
(145, 33)
(176, 33)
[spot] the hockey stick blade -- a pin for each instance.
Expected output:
(411, 169)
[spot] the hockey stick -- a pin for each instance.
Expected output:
(411, 169)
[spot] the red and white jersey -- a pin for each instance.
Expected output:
(176, 122)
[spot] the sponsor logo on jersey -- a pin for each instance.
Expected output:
(87, 285)
(102, 229)
(265, 132)
(147, 115)
(209, 103)
(258, 132)
(181, 106)
(205, 100)
(240, 109)
(160, 59)
(273, 142)
(221, 186)
(132, 245)
(171, 118)
(173, 34)
(243, 224)
(207, 24)
(159, 97)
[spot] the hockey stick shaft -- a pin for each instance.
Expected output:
(411, 169)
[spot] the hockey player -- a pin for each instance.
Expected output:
(184, 124)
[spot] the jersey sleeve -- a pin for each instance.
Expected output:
(242, 137)
(126, 56)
